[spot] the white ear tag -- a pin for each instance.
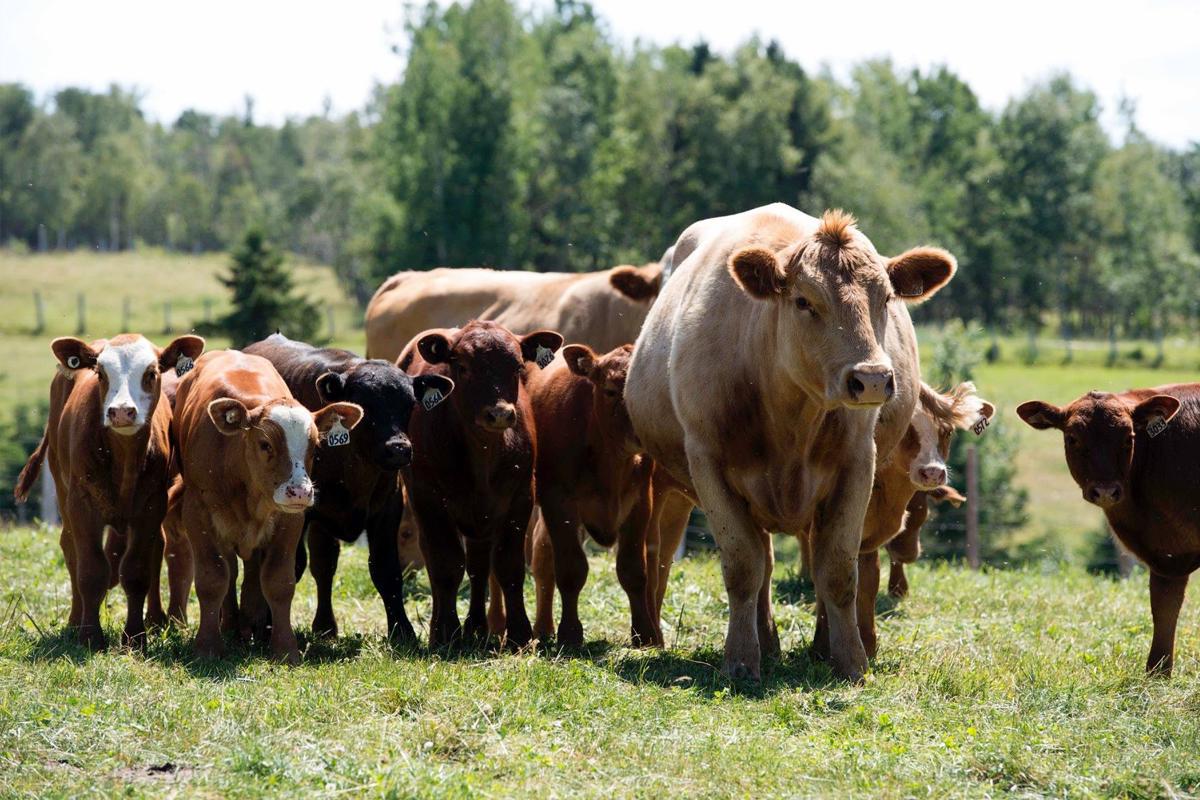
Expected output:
(1156, 427)
(184, 365)
(981, 425)
(231, 417)
(337, 434)
(431, 398)
(73, 362)
(544, 356)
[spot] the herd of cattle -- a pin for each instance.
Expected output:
(773, 380)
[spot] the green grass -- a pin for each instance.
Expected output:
(987, 683)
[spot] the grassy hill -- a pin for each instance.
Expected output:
(987, 683)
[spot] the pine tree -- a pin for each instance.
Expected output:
(262, 295)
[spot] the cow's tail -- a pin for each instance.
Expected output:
(32, 467)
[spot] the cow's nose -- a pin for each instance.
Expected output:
(500, 417)
(1104, 494)
(932, 476)
(398, 453)
(299, 494)
(870, 384)
(122, 416)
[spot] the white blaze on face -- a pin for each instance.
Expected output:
(929, 458)
(296, 423)
(124, 366)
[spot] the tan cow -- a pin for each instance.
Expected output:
(603, 310)
(107, 442)
(757, 382)
(246, 451)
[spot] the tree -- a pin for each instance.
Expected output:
(263, 302)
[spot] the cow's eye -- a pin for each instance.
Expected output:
(264, 447)
(803, 305)
(1072, 440)
(148, 379)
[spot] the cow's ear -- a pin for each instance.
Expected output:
(74, 353)
(758, 271)
(987, 410)
(580, 359)
(917, 274)
(181, 354)
(434, 348)
(636, 284)
(229, 415)
(331, 386)
(540, 346)
(947, 494)
(1041, 415)
(1152, 415)
(431, 390)
(348, 414)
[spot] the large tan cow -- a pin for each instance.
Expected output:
(757, 383)
(603, 310)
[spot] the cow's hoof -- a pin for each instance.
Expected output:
(570, 634)
(324, 629)
(210, 649)
(740, 670)
(133, 639)
(91, 637)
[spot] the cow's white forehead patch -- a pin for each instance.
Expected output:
(123, 366)
(296, 423)
(927, 436)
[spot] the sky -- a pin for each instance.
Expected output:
(292, 56)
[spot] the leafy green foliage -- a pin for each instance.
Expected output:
(263, 299)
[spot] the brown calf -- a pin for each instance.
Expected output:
(107, 441)
(1133, 455)
(246, 450)
(590, 472)
(471, 479)
(906, 547)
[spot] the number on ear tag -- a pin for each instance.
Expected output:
(544, 356)
(981, 425)
(1156, 427)
(183, 366)
(337, 435)
(431, 398)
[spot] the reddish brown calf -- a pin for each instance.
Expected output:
(471, 479)
(1133, 454)
(107, 441)
(590, 472)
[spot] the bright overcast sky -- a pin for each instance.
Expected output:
(290, 55)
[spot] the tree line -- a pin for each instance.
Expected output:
(534, 140)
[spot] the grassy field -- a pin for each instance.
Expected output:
(987, 683)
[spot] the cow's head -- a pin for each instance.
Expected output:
(640, 284)
(387, 396)
(129, 371)
(831, 292)
(1099, 433)
(277, 441)
(487, 364)
(607, 376)
(935, 419)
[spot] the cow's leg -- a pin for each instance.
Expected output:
(897, 580)
(301, 556)
(66, 541)
(742, 558)
(835, 543)
(387, 569)
(1166, 598)
(91, 569)
(496, 616)
(868, 588)
(143, 556)
(277, 567)
(254, 618)
(479, 565)
(570, 566)
(180, 567)
(670, 519)
(213, 582)
(768, 633)
(541, 562)
(323, 550)
(115, 542)
(230, 614)
(508, 564)
(156, 615)
(446, 562)
(631, 572)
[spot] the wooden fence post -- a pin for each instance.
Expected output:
(972, 507)
(81, 314)
(125, 314)
(39, 313)
(49, 497)
(167, 317)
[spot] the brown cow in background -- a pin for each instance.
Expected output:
(246, 451)
(107, 441)
(1133, 454)
(600, 309)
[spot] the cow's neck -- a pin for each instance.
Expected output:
(127, 462)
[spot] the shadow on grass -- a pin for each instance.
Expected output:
(794, 588)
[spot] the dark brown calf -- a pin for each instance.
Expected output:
(107, 441)
(590, 472)
(246, 451)
(1133, 454)
(471, 479)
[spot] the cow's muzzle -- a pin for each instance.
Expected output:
(869, 384)
(396, 453)
(499, 417)
(122, 418)
(1105, 495)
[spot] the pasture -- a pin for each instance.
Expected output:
(986, 683)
